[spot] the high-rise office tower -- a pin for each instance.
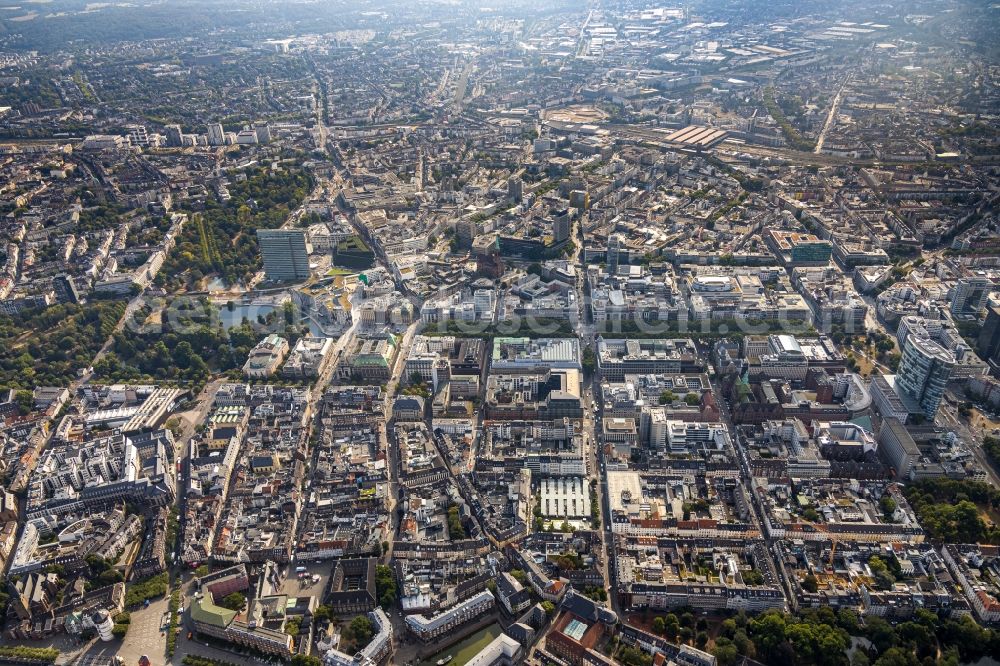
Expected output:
(924, 371)
(285, 253)
(515, 189)
(579, 199)
(561, 227)
(263, 131)
(465, 233)
(988, 343)
(614, 253)
(65, 289)
(216, 135)
(137, 135)
(970, 295)
(175, 137)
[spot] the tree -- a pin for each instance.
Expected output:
(659, 625)
(880, 633)
(971, 640)
(743, 644)
(25, 402)
(919, 636)
(110, 577)
(701, 640)
(949, 657)
(234, 601)
(810, 584)
(23, 652)
(888, 505)
(692, 399)
(596, 593)
(634, 657)
(884, 579)
(183, 353)
(455, 529)
(588, 360)
(549, 608)
(671, 626)
(306, 660)
(896, 657)
(768, 632)
(97, 564)
(385, 586)
(814, 642)
(569, 561)
(884, 344)
(360, 630)
(725, 652)
(847, 619)
(148, 588)
(991, 445)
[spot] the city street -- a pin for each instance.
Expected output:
(949, 417)
(489, 315)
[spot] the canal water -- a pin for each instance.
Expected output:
(249, 312)
(467, 648)
(255, 314)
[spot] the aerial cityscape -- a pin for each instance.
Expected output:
(499, 332)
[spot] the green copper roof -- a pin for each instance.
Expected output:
(206, 612)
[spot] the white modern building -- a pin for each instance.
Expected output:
(924, 372)
(515, 355)
(565, 497)
(428, 628)
(285, 253)
(266, 357)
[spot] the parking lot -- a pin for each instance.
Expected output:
(144, 637)
(295, 587)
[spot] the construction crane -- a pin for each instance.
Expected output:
(823, 530)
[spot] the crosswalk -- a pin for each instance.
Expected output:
(94, 660)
